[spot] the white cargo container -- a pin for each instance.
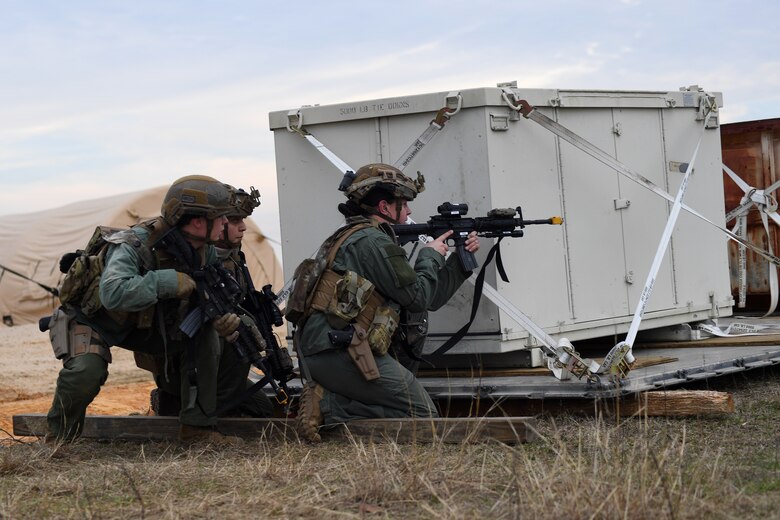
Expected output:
(580, 280)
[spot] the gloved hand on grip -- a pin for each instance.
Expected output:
(250, 324)
(227, 325)
(185, 285)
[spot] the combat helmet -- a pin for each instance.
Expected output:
(386, 177)
(242, 204)
(195, 195)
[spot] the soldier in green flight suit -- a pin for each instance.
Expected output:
(366, 285)
(233, 371)
(232, 381)
(144, 293)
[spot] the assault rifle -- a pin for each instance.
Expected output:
(499, 223)
(219, 294)
(261, 305)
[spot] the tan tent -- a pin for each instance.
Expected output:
(33, 243)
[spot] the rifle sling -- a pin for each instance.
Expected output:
(455, 338)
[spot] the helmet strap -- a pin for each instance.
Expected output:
(399, 205)
(225, 237)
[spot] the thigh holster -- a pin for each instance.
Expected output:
(70, 338)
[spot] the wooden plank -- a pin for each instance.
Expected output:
(144, 428)
(659, 403)
(675, 403)
(509, 430)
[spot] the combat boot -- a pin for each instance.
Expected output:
(309, 416)
(189, 435)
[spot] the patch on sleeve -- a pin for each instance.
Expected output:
(403, 273)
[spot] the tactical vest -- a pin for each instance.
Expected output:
(171, 310)
(233, 260)
(344, 298)
(113, 324)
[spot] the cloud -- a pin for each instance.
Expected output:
(127, 105)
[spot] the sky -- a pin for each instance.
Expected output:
(104, 97)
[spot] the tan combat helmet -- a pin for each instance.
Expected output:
(386, 177)
(195, 195)
(242, 204)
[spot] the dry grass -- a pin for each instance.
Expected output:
(726, 467)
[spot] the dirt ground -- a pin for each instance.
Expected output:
(30, 370)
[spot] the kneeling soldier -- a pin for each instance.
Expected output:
(347, 314)
(137, 301)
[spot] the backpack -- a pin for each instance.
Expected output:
(83, 268)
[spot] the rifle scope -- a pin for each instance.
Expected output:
(448, 208)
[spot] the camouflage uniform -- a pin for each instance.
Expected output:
(126, 288)
(144, 293)
(373, 254)
(233, 374)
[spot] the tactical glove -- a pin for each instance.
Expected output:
(250, 324)
(226, 325)
(185, 285)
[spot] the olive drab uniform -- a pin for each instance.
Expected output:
(233, 372)
(232, 378)
(144, 316)
(370, 255)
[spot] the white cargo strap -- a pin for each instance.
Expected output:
(733, 329)
(563, 360)
(766, 204)
(295, 124)
(662, 245)
(618, 361)
(454, 102)
(529, 112)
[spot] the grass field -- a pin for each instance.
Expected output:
(579, 467)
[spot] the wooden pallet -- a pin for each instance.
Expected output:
(509, 430)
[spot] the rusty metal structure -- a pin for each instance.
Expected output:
(752, 150)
